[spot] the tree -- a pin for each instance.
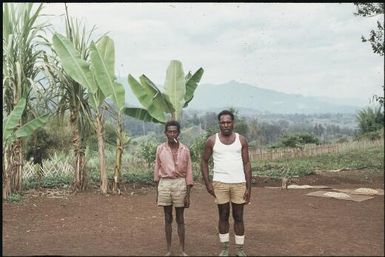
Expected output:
(22, 55)
(179, 91)
(376, 38)
(122, 140)
(97, 76)
(71, 96)
(13, 132)
(298, 140)
(241, 126)
(370, 119)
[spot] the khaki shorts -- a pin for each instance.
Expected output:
(229, 192)
(172, 191)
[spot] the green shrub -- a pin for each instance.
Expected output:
(196, 149)
(148, 152)
(52, 181)
(139, 177)
(298, 140)
(372, 135)
(14, 198)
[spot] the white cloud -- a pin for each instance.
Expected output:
(303, 48)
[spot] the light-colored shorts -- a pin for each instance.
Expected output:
(229, 192)
(172, 191)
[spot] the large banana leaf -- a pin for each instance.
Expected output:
(28, 128)
(72, 63)
(140, 114)
(191, 85)
(7, 26)
(160, 99)
(106, 49)
(120, 98)
(148, 99)
(102, 59)
(175, 86)
(13, 119)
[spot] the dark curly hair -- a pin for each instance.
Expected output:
(172, 123)
(225, 112)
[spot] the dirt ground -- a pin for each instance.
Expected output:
(278, 222)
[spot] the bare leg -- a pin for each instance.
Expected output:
(168, 227)
(223, 227)
(239, 227)
(223, 223)
(181, 230)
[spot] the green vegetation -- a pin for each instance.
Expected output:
(371, 159)
(141, 177)
(51, 181)
(178, 92)
(14, 197)
(148, 151)
(370, 119)
(296, 140)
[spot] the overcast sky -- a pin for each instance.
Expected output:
(311, 49)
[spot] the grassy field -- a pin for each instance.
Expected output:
(371, 158)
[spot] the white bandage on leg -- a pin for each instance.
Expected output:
(223, 238)
(239, 240)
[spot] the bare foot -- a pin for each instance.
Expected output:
(183, 254)
(168, 254)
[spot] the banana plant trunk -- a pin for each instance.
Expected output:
(118, 158)
(7, 172)
(79, 183)
(11, 166)
(101, 151)
(16, 178)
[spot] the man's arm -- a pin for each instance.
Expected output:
(207, 152)
(187, 198)
(156, 172)
(246, 168)
(189, 181)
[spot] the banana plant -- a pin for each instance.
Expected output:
(178, 92)
(11, 129)
(97, 76)
(12, 132)
(23, 37)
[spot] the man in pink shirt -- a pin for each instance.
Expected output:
(173, 174)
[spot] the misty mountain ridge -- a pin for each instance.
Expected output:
(249, 99)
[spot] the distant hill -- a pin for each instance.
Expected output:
(250, 99)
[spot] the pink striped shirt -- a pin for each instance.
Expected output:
(165, 166)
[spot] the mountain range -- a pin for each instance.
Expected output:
(249, 99)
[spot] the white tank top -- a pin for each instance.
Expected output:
(228, 164)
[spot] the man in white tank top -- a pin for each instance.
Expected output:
(231, 179)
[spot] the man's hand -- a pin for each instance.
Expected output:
(246, 196)
(187, 201)
(156, 200)
(210, 189)
(157, 191)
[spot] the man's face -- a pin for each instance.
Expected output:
(171, 133)
(226, 124)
